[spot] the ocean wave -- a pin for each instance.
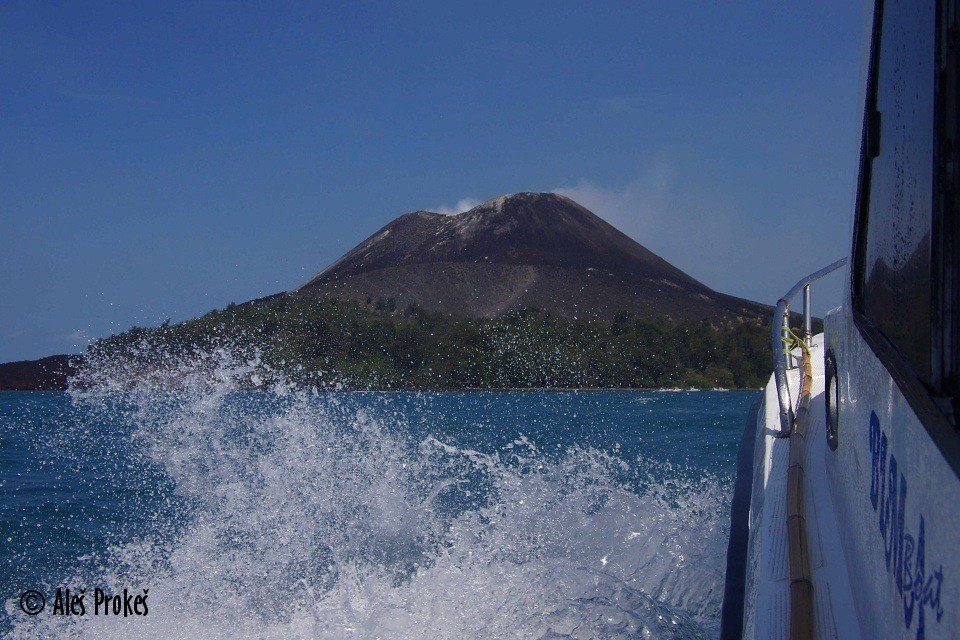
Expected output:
(309, 517)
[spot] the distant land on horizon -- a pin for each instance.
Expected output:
(506, 256)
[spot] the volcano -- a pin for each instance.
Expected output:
(525, 250)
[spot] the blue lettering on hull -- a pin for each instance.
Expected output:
(904, 554)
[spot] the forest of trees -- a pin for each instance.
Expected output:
(323, 342)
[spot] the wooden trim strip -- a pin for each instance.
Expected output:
(801, 583)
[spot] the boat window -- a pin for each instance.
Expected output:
(894, 279)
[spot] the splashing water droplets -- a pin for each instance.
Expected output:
(308, 517)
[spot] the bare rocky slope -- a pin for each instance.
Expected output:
(524, 250)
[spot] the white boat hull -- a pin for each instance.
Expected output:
(881, 511)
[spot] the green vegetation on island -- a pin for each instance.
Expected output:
(329, 343)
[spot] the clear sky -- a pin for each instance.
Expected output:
(158, 160)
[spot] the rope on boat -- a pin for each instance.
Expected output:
(801, 583)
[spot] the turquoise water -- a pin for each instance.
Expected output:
(360, 515)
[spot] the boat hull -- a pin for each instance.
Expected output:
(896, 498)
(880, 510)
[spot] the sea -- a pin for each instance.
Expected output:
(209, 510)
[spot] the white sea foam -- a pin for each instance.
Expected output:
(308, 519)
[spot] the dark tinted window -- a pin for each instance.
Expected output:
(895, 273)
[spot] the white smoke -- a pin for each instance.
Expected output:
(464, 204)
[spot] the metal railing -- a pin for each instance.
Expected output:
(782, 359)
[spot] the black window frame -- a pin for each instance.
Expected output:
(936, 405)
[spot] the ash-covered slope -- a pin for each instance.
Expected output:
(524, 250)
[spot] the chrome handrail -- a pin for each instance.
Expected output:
(781, 356)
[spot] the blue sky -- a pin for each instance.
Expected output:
(160, 160)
